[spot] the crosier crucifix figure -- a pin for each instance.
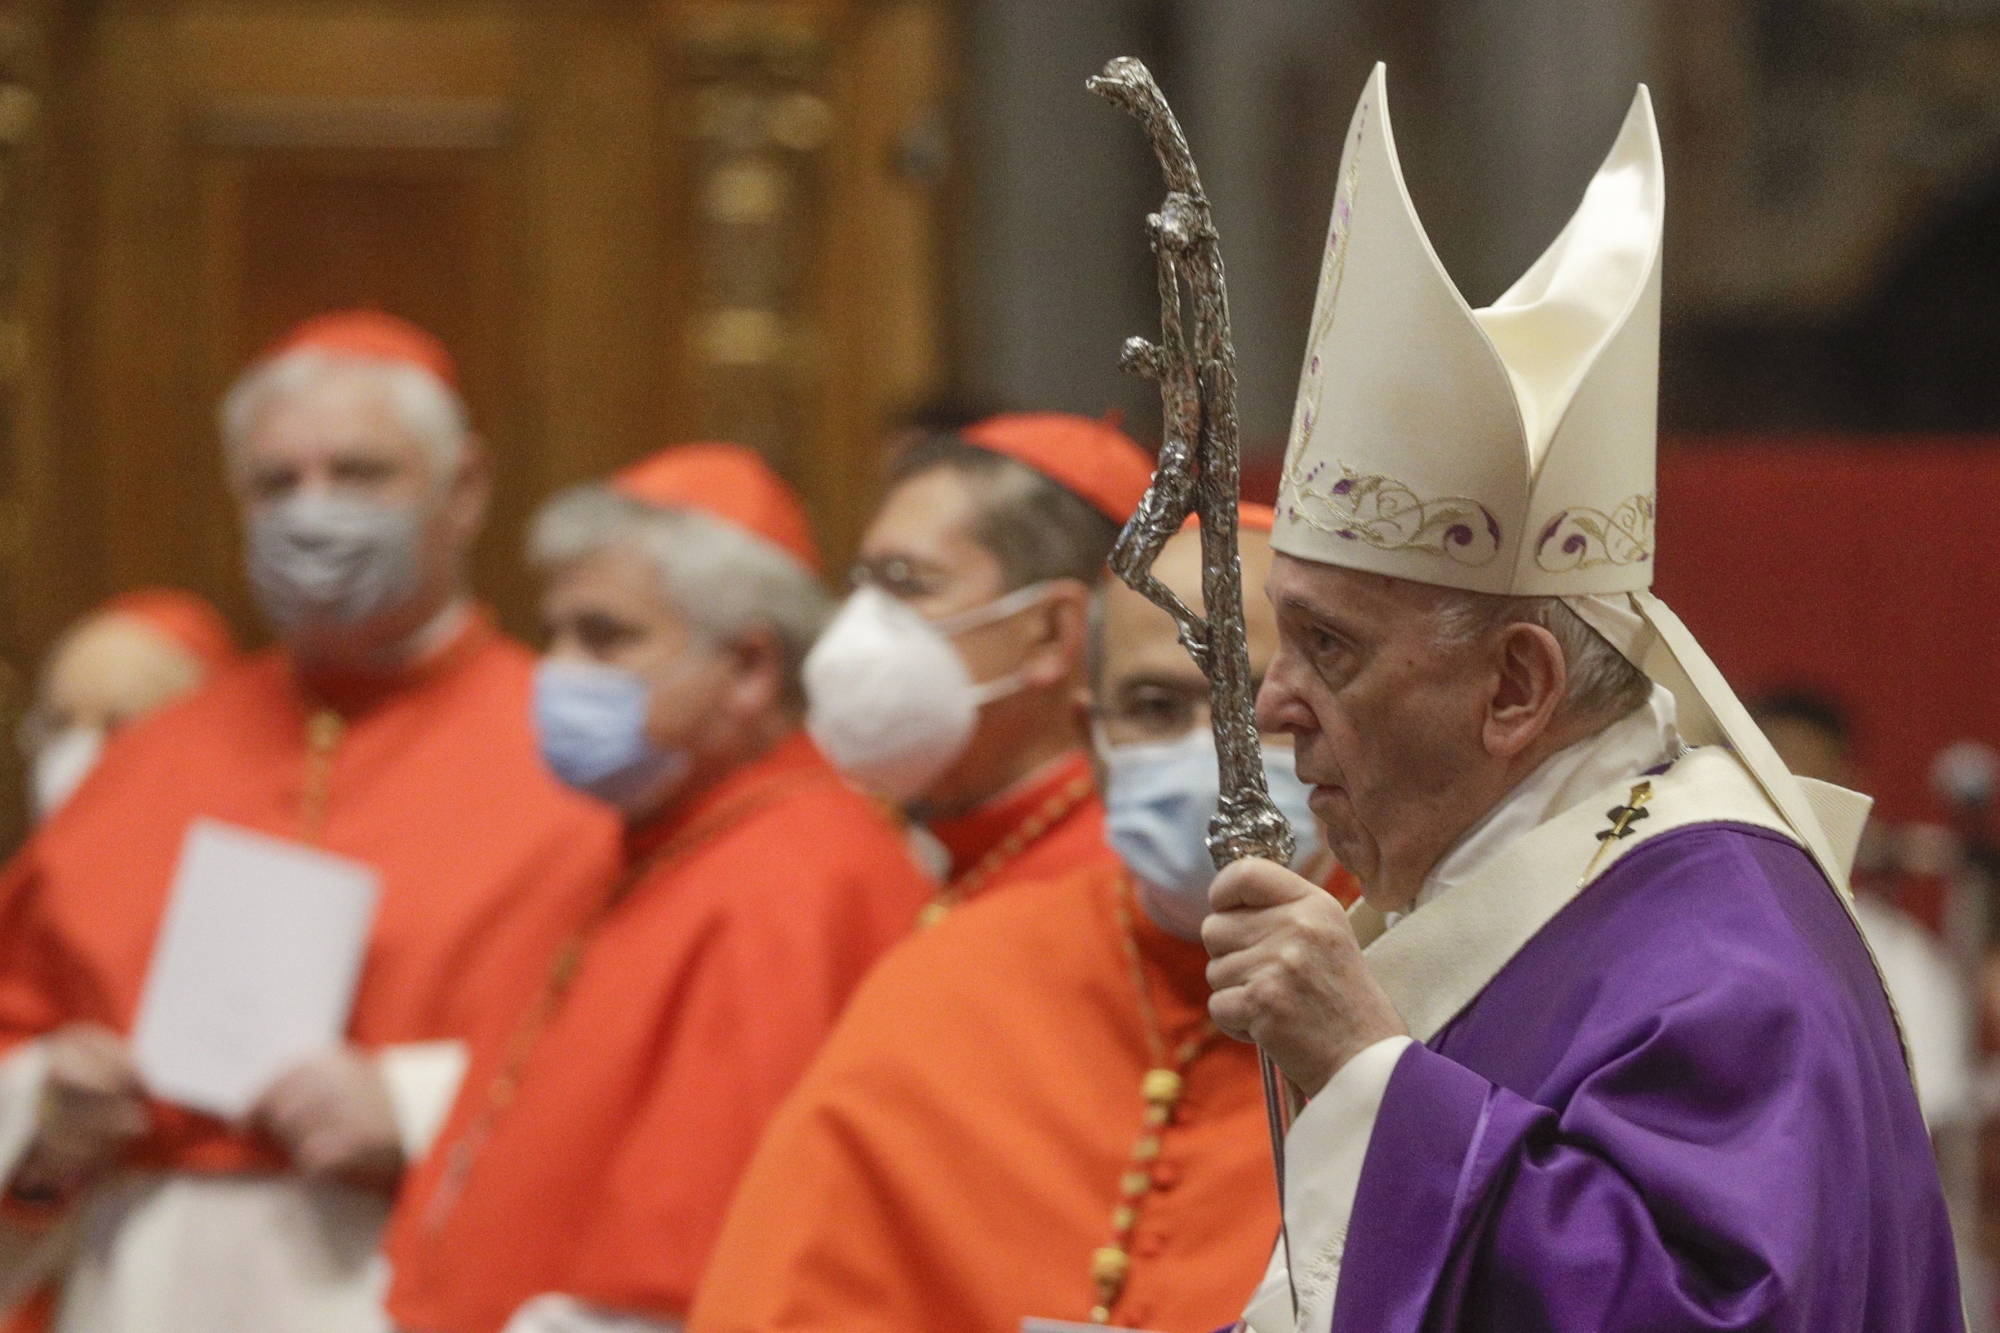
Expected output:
(1198, 467)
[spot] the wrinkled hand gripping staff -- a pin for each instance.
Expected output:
(1197, 474)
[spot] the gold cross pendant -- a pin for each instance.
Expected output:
(1622, 818)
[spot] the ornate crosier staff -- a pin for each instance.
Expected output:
(1197, 474)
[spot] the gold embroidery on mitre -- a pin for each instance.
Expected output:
(1587, 538)
(1382, 512)
(1336, 263)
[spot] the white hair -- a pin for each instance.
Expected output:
(424, 405)
(722, 580)
(1603, 683)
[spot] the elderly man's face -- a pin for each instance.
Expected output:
(612, 608)
(1386, 723)
(339, 434)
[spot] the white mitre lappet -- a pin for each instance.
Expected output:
(1511, 450)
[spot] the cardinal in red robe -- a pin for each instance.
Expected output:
(589, 1161)
(946, 683)
(389, 726)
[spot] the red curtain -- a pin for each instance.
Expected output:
(1868, 569)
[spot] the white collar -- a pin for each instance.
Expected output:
(1643, 739)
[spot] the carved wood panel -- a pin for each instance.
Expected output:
(809, 156)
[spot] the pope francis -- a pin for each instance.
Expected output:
(1601, 1049)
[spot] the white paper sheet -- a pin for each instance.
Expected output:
(255, 966)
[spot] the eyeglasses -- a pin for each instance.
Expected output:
(903, 579)
(1145, 711)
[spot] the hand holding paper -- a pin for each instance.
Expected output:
(335, 1118)
(255, 967)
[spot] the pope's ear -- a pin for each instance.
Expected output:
(1530, 681)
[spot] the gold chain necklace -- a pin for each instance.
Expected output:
(1161, 1088)
(1029, 831)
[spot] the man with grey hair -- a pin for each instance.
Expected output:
(388, 728)
(601, 1133)
(1602, 1048)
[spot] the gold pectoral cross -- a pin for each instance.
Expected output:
(1622, 818)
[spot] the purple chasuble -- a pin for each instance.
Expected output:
(1682, 1106)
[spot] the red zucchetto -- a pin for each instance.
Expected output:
(1092, 459)
(725, 481)
(375, 334)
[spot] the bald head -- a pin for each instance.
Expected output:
(112, 669)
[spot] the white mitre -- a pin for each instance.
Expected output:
(1511, 450)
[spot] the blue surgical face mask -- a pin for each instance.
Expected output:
(591, 722)
(1158, 799)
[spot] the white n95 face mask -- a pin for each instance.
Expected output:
(62, 764)
(332, 560)
(1158, 799)
(889, 699)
